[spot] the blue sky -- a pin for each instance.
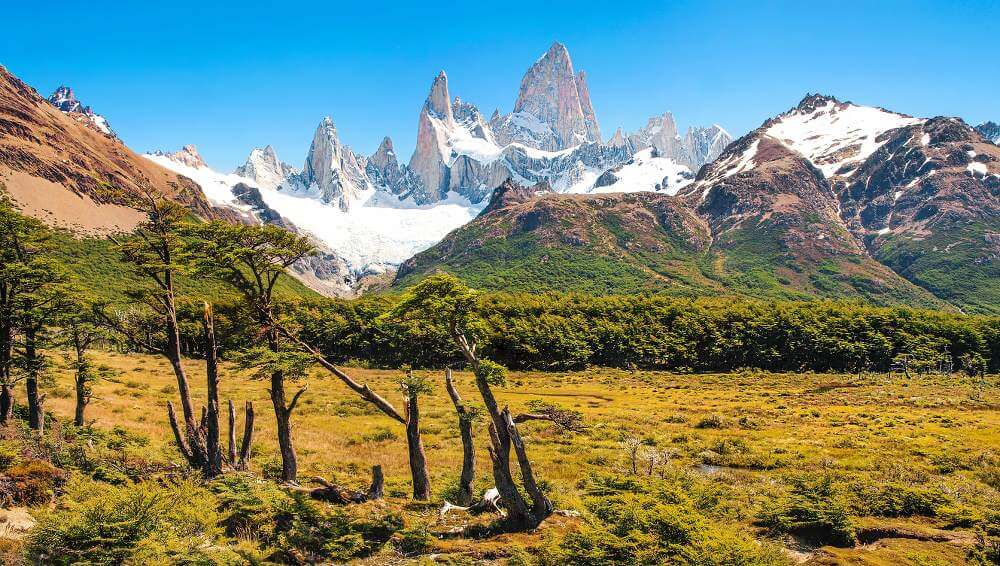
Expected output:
(228, 76)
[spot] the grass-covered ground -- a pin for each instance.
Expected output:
(817, 468)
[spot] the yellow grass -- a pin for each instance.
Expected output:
(872, 426)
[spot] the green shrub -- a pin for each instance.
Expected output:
(896, 500)
(10, 452)
(713, 420)
(414, 541)
(654, 523)
(292, 527)
(134, 524)
(816, 509)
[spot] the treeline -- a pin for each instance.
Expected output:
(570, 331)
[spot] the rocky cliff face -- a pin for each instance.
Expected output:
(431, 155)
(64, 99)
(264, 168)
(57, 167)
(553, 109)
(187, 155)
(332, 171)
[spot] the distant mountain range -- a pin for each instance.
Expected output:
(374, 212)
(829, 199)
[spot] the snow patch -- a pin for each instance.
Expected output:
(977, 168)
(379, 230)
(644, 172)
(835, 135)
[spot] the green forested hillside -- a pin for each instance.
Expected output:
(96, 266)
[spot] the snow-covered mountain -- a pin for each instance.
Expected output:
(64, 99)
(375, 212)
(364, 240)
(698, 146)
(264, 167)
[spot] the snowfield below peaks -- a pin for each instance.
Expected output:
(372, 235)
(648, 173)
(377, 232)
(218, 187)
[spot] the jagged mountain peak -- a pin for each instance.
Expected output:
(332, 169)
(812, 101)
(384, 155)
(263, 167)
(439, 100)
(187, 155)
(65, 100)
(834, 136)
(554, 104)
(990, 131)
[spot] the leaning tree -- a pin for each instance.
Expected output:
(409, 418)
(252, 259)
(445, 301)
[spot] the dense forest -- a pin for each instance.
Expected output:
(555, 331)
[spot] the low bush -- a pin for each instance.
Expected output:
(31, 483)
(135, 524)
(713, 420)
(897, 500)
(816, 509)
(292, 528)
(633, 522)
(414, 541)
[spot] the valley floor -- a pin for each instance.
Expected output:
(746, 434)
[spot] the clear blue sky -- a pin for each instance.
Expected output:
(228, 76)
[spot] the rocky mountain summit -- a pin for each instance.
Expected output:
(990, 131)
(552, 135)
(698, 146)
(553, 109)
(264, 167)
(64, 99)
(332, 170)
(187, 155)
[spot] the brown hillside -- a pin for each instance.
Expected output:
(42, 149)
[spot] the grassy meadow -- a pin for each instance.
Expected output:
(917, 459)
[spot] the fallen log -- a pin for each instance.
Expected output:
(330, 492)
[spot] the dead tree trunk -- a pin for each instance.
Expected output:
(232, 434)
(213, 448)
(377, 488)
(241, 462)
(414, 444)
(465, 421)
(503, 435)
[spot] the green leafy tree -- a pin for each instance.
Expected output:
(157, 254)
(81, 330)
(33, 294)
(253, 259)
